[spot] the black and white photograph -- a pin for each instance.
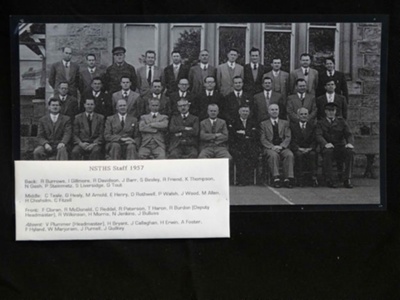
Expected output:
(295, 106)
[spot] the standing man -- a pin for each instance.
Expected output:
(303, 145)
(234, 100)
(208, 96)
(275, 140)
(184, 130)
(102, 100)
(174, 72)
(122, 134)
(301, 99)
(148, 73)
(213, 135)
(119, 68)
(132, 98)
(69, 104)
(253, 73)
(199, 72)
(280, 79)
(153, 127)
(54, 133)
(88, 133)
(309, 74)
(182, 93)
(244, 145)
(226, 72)
(338, 77)
(65, 71)
(331, 97)
(336, 140)
(156, 93)
(264, 99)
(87, 74)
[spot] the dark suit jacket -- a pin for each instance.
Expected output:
(57, 75)
(85, 78)
(294, 103)
(103, 103)
(174, 98)
(53, 134)
(340, 82)
(231, 104)
(283, 79)
(142, 83)
(180, 136)
(267, 133)
(165, 105)
(340, 101)
(113, 131)
(338, 133)
(247, 144)
(202, 101)
(69, 107)
(81, 129)
(300, 139)
(252, 86)
(207, 137)
(196, 78)
(112, 77)
(156, 133)
(132, 102)
(312, 82)
(170, 83)
(261, 108)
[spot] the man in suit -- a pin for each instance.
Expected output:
(174, 72)
(280, 79)
(54, 133)
(132, 98)
(213, 135)
(226, 72)
(153, 127)
(234, 100)
(264, 99)
(69, 104)
(244, 145)
(336, 141)
(338, 77)
(156, 93)
(121, 134)
(148, 73)
(199, 72)
(208, 96)
(88, 133)
(184, 130)
(303, 145)
(65, 71)
(253, 73)
(119, 68)
(301, 99)
(309, 74)
(275, 139)
(329, 97)
(102, 101)
(182, 93)
(87, 74)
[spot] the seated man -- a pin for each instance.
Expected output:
(244, 145)
(102, 100)
(182, 93)
(156, 93)
(121, 134)
(336, 141)
(213, 135)
(275, 139)
(184, 129)
(54, 133)
(88, 133)
(303, 145)
(153, 127)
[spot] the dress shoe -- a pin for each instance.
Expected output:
(288, 183)
(315, 183)
(331, 184)
(347, 184)
(277, 183)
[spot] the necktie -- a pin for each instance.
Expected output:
(184, 117)
(244, 123)
(331, 120)
(176, 70)
(63, 98)
(209, 94)
(213, 127)
(149, 76)
(154, 116)
(267, 95)
(89, 117)
(330, 73)
(302, 99)
(205, 68)
(122, 122)
(67, 71)
(125, 95)
(53, 118)
(305, 72)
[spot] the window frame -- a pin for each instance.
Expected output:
(233, 25)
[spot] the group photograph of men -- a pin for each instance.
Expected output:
(281, 129)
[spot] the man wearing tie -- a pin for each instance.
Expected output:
(121, 134)
(208, 96)
(65, 71)
(199, 72)
(264, 99)
(69, 104)
(182, 93)
(253, 73)
(88, 133)
(275, 139)
(213, 135)
(303, 145)
(54, 133)
(310, 75)
(153, 127)
(148, 73)
(87, 74)
(102, 101)
(174, 72)
(184, 130)
(336, 141)
(301, 99)
(226, 72)
(132, 98)
(156, 93)
(331, 97)
(280, 79)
